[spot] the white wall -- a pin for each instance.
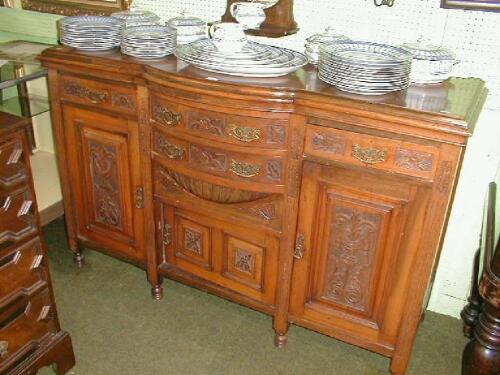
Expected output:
(474, 36)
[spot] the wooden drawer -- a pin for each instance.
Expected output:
(12, 161)
(22, 269)
(24, 324)
(17, 219)
(104, 95)
(267, 132)
(371, 151)
(233, 165)
(239, 258)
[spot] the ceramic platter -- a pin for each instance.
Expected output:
(91, 33)
(365, 68)
(253, 60)
(149, 42)
(134, 18)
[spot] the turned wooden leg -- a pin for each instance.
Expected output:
(280, 340)
(482, 355)
(78, 257)
(157, 288)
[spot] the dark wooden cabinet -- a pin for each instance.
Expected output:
(106, 180)
(30, 335)
(281, 194)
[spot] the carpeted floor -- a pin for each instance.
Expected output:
(117, 329)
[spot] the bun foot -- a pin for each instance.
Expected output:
(280, 340)
(157, 292)
(79, 259)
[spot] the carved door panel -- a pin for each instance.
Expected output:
(354, 252)
(243, 260)
(103, 157)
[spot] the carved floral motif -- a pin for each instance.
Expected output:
(276, 134)
(244, 261)
(444, 177)
(204, 158)
(329, 143)
(124, 101)
(273, 170)
(206, 124)
(105, 184)
(415, 160)
(351, 251)
(192, 241)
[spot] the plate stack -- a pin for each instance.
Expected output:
(91, 33)
(365, 68)
(253, 60)
(149, 42)
(134, 18)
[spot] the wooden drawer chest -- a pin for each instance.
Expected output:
(282, 194)
(30, 336)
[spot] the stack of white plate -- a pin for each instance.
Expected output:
(134, 18)
(91, 33)
(149, 42)
(365, 68)
(253, 60)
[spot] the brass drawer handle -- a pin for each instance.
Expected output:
(368, 155)
(11, 259)
(4, 349)
(299, 247)
(166, 116)
(244, 169)
(245, 133)
(96, 97)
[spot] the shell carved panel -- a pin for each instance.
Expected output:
(105, 184)
(351, 252)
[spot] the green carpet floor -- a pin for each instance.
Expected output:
(117, 329)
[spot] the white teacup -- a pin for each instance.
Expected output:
(228, 36)
(250, 15)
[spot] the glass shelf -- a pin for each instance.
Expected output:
(37, 105)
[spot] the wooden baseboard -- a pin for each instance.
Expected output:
(51, 213)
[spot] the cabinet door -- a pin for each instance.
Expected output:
(243, 260)
(104, 170)
(354, 253)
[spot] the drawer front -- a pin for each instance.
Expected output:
(17, 218)
(216, 161)
(25, 323)
(22, 269)
(224, 127)
(104, 95)
(244, 260)
(12, 161)
(370, 151)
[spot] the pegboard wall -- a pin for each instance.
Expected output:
(473, 35)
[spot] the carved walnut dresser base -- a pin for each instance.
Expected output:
(281, 194)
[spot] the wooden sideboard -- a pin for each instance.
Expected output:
(30, 335)
(320, 208)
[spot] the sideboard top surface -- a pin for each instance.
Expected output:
(456, 102)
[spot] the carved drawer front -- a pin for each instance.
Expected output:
(243, 260)
(266, 132)
(24, 324)
(216, 161)
(373, 152)
(12, 161)
(17, 219)
(22, 269)
(104, 95)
